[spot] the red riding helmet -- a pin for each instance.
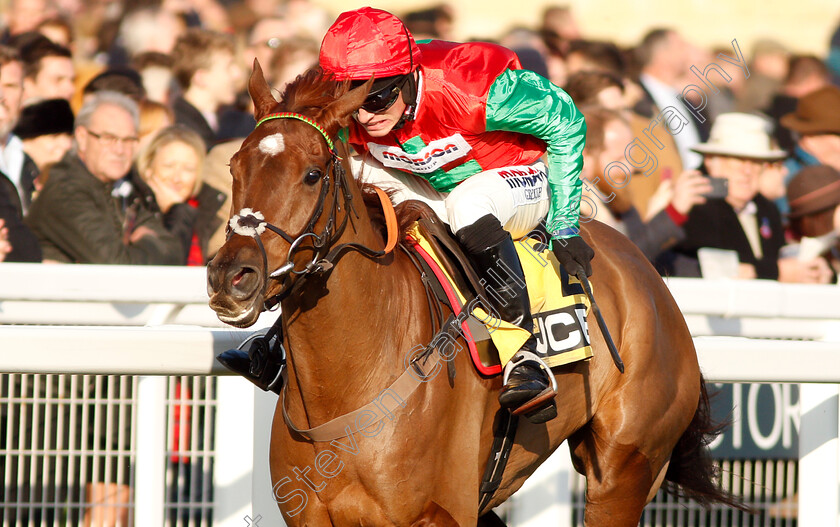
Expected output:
(368, 42)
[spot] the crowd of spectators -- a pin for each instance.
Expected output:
(714, 163)
(118, 119)
(117, 122)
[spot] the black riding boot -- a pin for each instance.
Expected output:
(260, 364)
(494, 255)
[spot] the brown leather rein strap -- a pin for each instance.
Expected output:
(355, 421)
(391, 224)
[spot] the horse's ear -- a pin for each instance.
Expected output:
(260, 92)
(339, 111)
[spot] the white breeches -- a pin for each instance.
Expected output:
(517, 196)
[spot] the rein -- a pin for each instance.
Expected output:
(252, 223)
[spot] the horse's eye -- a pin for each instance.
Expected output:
(313, 176)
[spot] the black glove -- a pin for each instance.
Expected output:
(574, 255)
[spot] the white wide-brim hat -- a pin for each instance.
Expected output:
(740, 135)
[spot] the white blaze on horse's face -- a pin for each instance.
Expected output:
(272, 144)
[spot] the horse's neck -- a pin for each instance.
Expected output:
(349, 344)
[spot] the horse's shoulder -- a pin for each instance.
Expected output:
(601, 236)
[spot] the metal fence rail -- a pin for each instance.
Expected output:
(68, 450)
(62, 437)
(159, 435)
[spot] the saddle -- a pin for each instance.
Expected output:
(558, 303)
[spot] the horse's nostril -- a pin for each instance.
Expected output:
(240, 276)
(244, 282)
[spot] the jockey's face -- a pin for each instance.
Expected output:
(381, 123)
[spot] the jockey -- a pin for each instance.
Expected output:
(468, 121)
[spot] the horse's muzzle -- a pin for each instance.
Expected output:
(235, 290)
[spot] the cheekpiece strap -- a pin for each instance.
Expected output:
(305, 119)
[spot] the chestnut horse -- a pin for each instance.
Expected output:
(347, 331)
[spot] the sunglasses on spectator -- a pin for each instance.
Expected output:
(112, 140)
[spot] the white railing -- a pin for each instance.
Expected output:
(146, 321)
(154, 321)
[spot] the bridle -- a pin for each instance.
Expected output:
(252, 223)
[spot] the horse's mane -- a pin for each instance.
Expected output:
(313, 91)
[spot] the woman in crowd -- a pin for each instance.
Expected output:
(46, 129)
(607, 135)
(814, 199)
(170, 167)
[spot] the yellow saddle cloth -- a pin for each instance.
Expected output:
(558, 303)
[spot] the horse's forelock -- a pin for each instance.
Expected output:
(311, 93)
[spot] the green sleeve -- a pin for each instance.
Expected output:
(524, 102)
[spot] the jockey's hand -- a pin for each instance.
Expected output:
(574, 255)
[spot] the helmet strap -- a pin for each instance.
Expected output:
(409, 95)
(409, 88)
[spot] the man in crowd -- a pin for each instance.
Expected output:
(19, 170)
(744, 221)
(48, 70)
(816, 122)
(81, 215)
(206, 69)
(663, 56)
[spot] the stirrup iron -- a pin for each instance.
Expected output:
(528, 356)
(542, 407)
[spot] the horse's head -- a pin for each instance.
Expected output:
(289, 187)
